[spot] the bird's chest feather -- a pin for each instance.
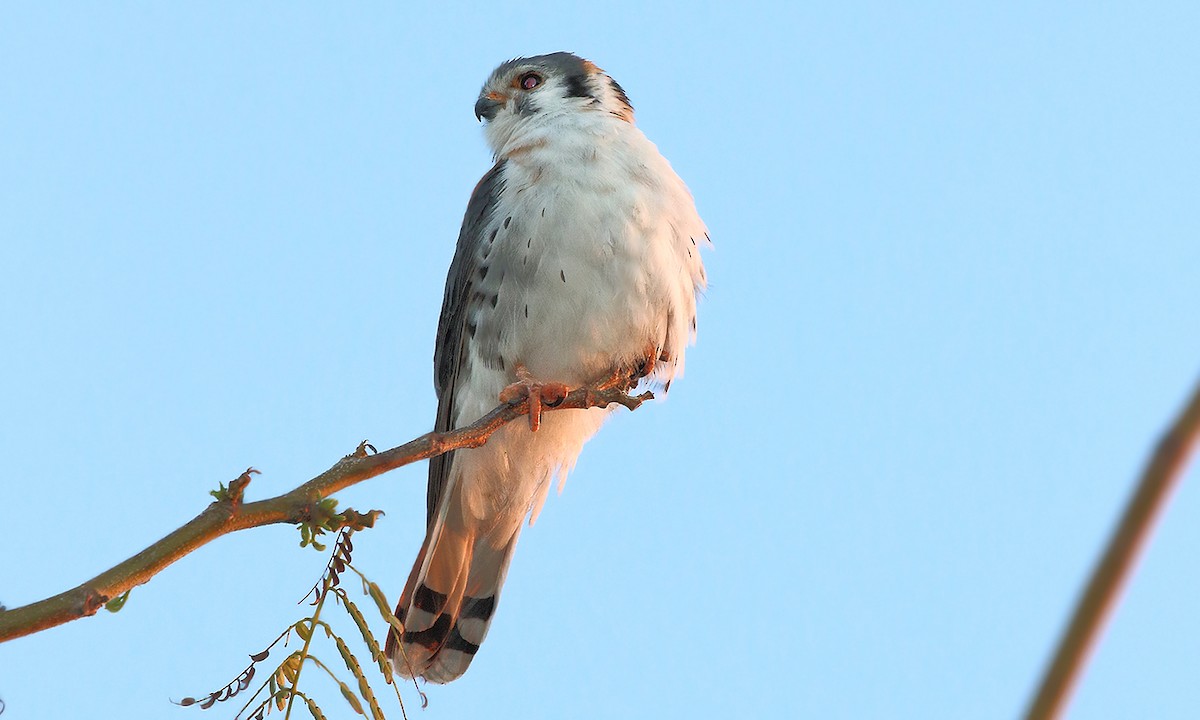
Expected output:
(571, 267)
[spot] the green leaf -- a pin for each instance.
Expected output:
(117, 603)
(367, 636)
(381, 601)
(351, 698)
(304, 630)
(291, 668)
(364, 688)
(313, 709)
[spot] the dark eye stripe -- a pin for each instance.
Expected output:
(577, 87)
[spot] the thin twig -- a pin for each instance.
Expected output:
(1158, 479)
(312, 630)
(231, 514)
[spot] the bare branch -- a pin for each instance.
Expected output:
(1158, 479)
(230, 513)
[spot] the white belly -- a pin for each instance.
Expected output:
(593, 266)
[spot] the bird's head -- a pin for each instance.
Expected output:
(540, 88)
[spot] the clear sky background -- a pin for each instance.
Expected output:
(954, 300)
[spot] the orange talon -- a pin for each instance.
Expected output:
(535, 409)
(554, 393)
(514, 394)
(646, 367)
(539, 395)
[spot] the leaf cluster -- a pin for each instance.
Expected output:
(282, 687)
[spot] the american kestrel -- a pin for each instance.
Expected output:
(579, 257)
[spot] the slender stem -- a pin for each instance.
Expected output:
(312, 630)
(1161, 475)
(231, 514)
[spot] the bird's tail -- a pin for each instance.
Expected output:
(450, 598)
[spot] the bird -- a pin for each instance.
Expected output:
(578, 257)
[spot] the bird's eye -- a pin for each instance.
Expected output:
(530, 80)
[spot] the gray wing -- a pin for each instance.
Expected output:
(449, 350)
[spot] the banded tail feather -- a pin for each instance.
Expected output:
(448, 604)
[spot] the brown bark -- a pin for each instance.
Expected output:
(301, 505)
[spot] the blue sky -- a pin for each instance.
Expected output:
(953, 302)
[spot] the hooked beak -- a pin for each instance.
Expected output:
(488, 105)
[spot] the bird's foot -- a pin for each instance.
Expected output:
(540, 395)
(627, 378)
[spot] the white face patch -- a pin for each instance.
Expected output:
(525, 93)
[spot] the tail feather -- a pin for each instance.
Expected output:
(449, 601)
